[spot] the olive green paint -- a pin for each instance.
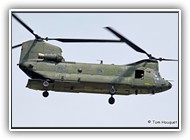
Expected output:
(43, 62)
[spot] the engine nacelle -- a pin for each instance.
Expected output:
(50, 57)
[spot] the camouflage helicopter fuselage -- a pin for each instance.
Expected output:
(48, 70)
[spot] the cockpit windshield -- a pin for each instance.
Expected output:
(157, 74)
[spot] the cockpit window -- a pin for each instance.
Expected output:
(157, 74)
(139, 74)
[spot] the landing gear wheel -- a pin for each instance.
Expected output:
(136, 92)
(45, 83)
(45, 94)
(111, 100)
(153, 92)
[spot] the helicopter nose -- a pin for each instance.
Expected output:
(170, 85)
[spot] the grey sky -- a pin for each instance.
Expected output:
(157, 33)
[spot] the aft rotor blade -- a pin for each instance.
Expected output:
(69, 40)
(16, 46)
(131, 44)
(25, 25)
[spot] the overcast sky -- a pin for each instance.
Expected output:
(157, 33)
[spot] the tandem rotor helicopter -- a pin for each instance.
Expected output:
(49, 71)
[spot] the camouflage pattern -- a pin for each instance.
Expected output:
(48, 70)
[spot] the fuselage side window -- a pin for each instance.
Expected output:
(100, 71)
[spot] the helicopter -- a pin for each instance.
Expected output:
(49, 71)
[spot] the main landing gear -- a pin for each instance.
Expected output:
(45, 93)
(112, 91)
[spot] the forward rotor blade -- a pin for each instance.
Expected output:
(163, 59)
(131, 44)
(16, 46)
(26, 26)
(68, 40)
